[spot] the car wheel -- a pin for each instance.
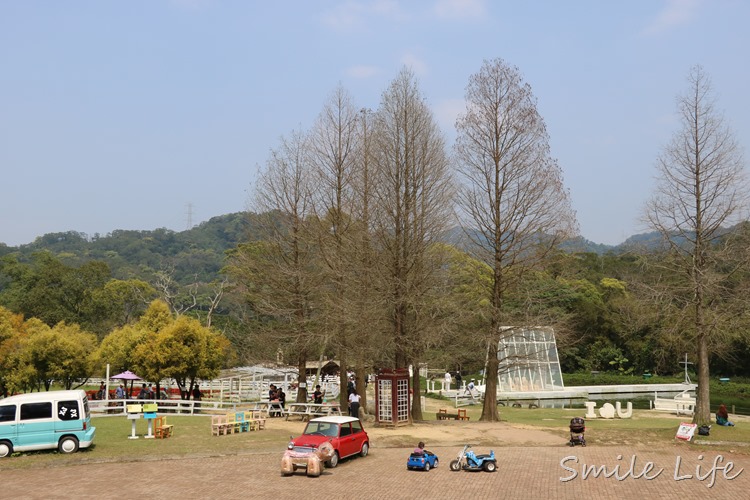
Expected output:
(68, 444)
(365, 450)
(6, 449)
(455, 466)
(490, 467)
(334, 461)
(427, 466)
(434, 466)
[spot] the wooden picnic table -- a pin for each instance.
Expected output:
(267, 408)
(309, 410)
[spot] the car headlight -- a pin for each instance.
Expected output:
(290, 445)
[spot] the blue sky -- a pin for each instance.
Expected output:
(122, 115)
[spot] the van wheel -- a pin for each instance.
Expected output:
(68, 444)
(6, 449)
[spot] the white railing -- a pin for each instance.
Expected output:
(102, 407)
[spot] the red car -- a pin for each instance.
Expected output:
(346, 434)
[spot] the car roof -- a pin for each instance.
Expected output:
(335, 419)
(33, 397)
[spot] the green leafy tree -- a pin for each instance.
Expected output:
(185, 351)
(61, 354)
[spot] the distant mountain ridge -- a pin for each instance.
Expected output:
(132, 253)
(200, 250)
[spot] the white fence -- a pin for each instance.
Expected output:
(178, 406)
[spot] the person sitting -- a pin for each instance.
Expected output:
(722, 417)
(419, 450)
(470, 388)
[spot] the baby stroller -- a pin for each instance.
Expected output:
(577, 431)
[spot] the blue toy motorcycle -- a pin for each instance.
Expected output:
(468, 460)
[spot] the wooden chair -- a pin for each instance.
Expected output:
(243, 425)
(161, 428)
(260, 422)
(462, 415)
(232, 426)
(218, 425)
(252, 424)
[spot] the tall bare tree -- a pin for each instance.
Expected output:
(334, 150)
(701, 188)
(412, 195)
(513, 203)
(279, 274)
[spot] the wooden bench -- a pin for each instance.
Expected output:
(443, 414)
(237, 422)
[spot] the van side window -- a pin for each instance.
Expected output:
(8, 413)
(68, 410)
(34, 411)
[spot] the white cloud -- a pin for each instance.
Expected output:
(361, 71)
(452, 9)
(353, 16)
(675, 13)
(415, 63)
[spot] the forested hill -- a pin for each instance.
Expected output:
(196, 252)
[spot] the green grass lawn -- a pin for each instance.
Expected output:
(192, 436)
(645, 427)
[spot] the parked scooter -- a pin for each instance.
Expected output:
(468, 460)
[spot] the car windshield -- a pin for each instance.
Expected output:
(322, 429)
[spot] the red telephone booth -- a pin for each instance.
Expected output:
(392, 397)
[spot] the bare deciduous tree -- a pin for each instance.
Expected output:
(514, 206)
(701, 188)
(412, 198)
(334, 150)
(280, 274)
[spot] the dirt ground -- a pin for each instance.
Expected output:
(452, 433)
(448, 433)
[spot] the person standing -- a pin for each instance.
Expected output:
(120, 392)
(448, 381)
(143, 394)
(354, 403)
(102, 391)
(318, 395)
(458, 381)
(282, 398)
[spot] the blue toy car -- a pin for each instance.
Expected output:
(422, 461)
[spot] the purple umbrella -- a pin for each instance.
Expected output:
(127, 375)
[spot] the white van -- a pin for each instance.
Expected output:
(45, 420)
